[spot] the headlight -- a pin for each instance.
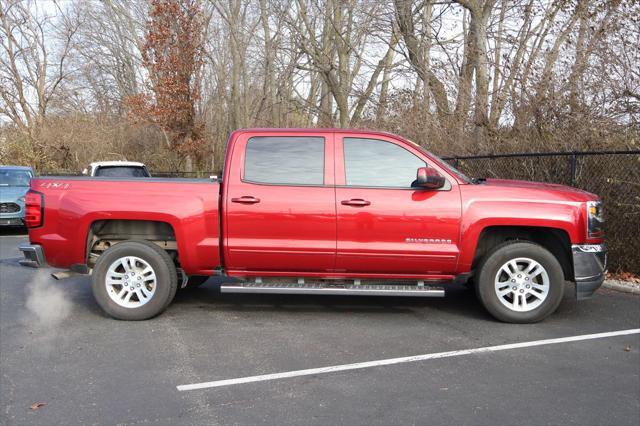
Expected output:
(595, 220)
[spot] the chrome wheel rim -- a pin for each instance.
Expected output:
(130, 282)
(522, 284)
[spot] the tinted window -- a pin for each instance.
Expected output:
(120, 171)
(371, 162)
(285, 160)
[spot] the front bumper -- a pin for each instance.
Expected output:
(12, 218)
(33, 255)
(589, 266)
(11, 221)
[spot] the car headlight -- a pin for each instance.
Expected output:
(595, 220)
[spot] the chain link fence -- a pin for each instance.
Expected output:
(613, 175)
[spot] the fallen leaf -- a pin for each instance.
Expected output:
(627, 348)
(38, 405)
(624, 276)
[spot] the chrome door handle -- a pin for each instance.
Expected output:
(356, 202)
(246, 200)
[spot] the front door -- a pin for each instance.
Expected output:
(384, 225)
(280, 204)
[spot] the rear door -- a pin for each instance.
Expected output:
(280, 203)
(384, 225)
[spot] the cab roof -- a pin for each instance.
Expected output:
(16, 167)
(116, 163)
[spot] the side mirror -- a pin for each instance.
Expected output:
(429, 178)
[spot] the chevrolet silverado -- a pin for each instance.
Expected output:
(321, 211)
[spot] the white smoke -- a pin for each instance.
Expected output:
(47, 305)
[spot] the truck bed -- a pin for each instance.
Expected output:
(73, 204)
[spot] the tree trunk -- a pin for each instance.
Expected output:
(481, 119)
(269, 66)
(463, 99)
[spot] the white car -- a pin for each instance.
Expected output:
(116, 169)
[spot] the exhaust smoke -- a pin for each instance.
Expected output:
(47, 305)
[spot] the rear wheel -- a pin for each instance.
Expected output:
(134, 280)
(520, 282)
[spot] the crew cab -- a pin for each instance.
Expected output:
(321, 211)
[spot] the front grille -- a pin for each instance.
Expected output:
(9, 208)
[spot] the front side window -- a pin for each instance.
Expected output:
(285, 160)
(373, 162)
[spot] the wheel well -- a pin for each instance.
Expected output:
(105, 233)
(555, 240)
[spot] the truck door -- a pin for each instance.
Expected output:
(280, 203)
(384, 225)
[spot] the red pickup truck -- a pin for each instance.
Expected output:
(321, 211)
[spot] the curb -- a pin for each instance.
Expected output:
(623, 286)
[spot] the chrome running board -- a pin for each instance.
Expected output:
(333, 289)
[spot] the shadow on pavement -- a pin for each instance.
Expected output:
(458, 300)
(13, 230)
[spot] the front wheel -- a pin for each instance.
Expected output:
(134, 280)
(520, 282)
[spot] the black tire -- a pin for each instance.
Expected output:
(195, 281)
(490, 266)
(163, 267)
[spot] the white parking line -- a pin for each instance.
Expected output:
(391, 361)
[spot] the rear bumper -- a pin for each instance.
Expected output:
(33, 255)
(589, 267)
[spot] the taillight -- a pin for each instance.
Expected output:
(34, 209)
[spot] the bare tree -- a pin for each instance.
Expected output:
(33, 62)
(462, 75)
(418, 50)
(336, 51)
(109, 48)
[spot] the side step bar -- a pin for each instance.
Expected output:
(350, 289)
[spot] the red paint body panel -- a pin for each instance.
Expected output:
(308, 231)
(373, 238)
(510, 203)
(72, 205)
(290, 228)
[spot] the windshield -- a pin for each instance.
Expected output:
(14, 177)
(122, 171)
(453, 169)
(443, 163)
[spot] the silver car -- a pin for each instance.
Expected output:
(14, 184)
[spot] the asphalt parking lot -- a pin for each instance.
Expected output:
(58, 348)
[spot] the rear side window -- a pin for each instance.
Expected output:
(119, 171)
(285, 160)
(373, 162)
